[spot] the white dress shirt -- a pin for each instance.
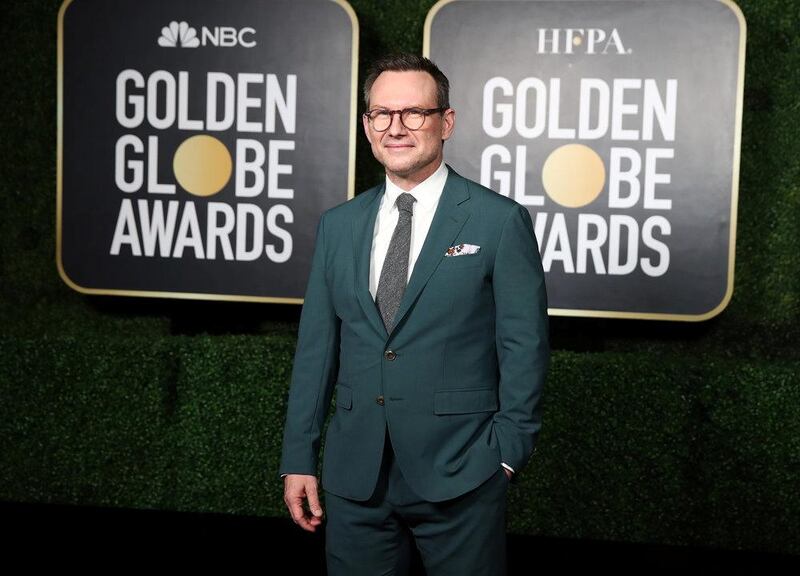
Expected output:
(427, 194)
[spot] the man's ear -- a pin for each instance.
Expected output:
(448, 123)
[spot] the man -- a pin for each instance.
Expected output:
(426, 312)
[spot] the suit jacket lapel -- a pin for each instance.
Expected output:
(447, 222)
(363, 229)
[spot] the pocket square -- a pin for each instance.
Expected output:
(462, 249)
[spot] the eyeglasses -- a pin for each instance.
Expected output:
(411, 118)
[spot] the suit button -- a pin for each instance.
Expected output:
(390, 355)
(379, 400)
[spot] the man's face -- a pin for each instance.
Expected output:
(409, 156)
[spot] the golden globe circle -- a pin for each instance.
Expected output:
(573, 175)
(202, 165)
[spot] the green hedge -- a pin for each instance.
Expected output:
(678, 452)
(653, 431)
(185, 423)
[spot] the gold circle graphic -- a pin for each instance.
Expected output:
(202, 165)
(573, 175)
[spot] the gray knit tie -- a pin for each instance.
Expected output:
(394, 274)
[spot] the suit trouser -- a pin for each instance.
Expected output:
(464, 536)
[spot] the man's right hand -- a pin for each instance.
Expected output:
(296, 489)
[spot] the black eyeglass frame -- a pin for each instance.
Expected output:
(424, 111)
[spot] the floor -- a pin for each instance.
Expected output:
(114, 538)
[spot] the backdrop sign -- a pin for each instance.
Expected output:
(617, 123)
(199, 142)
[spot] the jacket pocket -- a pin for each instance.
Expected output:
(344, 397)
(465, 401)
(462, 261)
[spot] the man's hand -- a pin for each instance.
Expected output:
(296, 489)
(508, 472)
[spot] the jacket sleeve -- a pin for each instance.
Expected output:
(316, 363)
(521, 332)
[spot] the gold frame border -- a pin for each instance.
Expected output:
(737, 135)
(186, 295)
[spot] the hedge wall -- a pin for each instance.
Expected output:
(653, 432)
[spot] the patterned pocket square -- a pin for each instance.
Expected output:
(462, 249)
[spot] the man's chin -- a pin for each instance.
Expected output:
(402, 170)
(403, 157)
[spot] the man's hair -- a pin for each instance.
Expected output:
(406, 62)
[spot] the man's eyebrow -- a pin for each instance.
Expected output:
(415, 107)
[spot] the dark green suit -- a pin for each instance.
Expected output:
(457, 383)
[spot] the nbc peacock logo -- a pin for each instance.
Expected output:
(178, 34)
(185, 36)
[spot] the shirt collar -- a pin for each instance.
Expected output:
(427, 192)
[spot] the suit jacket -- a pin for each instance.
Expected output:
(458, 381)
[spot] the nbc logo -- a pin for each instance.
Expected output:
(185, 36)
(178, 34)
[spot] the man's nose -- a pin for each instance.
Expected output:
(396, 127)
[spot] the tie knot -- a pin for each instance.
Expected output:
(405, 201)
